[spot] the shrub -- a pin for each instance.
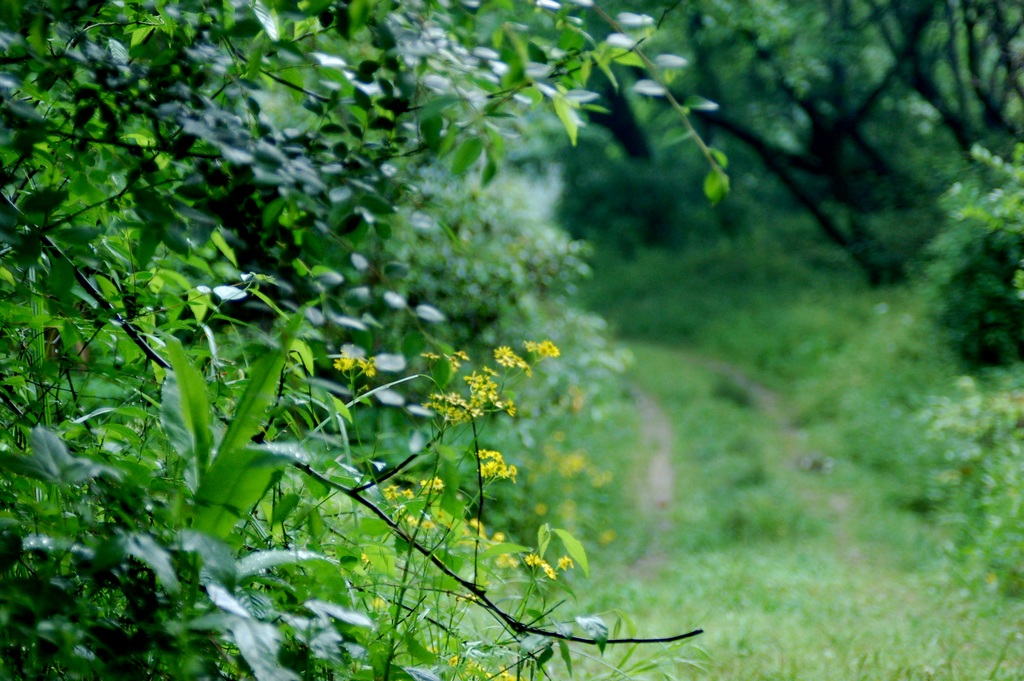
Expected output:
(981, 486)
(974, 264)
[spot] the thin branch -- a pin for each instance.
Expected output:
(55, 252)
(479, 593)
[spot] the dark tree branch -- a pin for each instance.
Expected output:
(514, 624)
(54, 251)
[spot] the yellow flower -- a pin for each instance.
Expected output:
(432, 485)
(565, 563)
(607, 537)
(510, 360)
(347, 363)
(541, 509)
(533, 560)
(492, 465)
(344, 363)
(506, 560)
(572, 465)
(543, 349)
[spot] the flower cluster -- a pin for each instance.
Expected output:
(510, 360)
(533, 560)
(542, 349)
(493, 466)
(484, 393)
(484, 397)
(432, 485)
(347, 363)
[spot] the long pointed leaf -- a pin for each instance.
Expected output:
(240, 475)
(185, 411)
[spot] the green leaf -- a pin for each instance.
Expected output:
(325, 609)
(239, 475)
(218, 560)
(284, 507)
(260, 644)
(575, 550)
(185, 411)
(51, 462)
(716, 185)
(563, 649)
(267, 20)
(156, 557)
(595, 628)
(543, 538)
(567, 114)
(466, 155)
(499, 549)
(258, 561)
(695, 103)
(421, 674)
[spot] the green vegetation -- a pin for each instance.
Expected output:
(261, 318)
(814, 507)
(294, 384)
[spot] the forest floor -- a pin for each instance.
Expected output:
(795, 564)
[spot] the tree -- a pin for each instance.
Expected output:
(847, 103)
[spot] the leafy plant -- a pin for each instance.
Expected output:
(974, 264)
(217, 459)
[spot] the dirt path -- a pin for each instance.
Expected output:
(657, 494)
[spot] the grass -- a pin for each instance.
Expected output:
(801, 536)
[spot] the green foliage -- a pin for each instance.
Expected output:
(983, 482)
(216, 458)
(628, 202)
(974, 264)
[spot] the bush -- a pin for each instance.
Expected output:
(981, 486)
(975, 261)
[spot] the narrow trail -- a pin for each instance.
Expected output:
(657, 494)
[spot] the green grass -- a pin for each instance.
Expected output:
(795, 573)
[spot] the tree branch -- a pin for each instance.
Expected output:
(479, 594)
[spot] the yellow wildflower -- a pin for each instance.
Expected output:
(344, 363)
(510, 360)
(541, 509)
(533, 560)
(607, 537)
(456, 359)
(543, 349)
(391, 493)
(492, 465)
(506, 560)
(498, 537)
(565, 563)
(432, 485)
(572, 465)
(347, 363)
